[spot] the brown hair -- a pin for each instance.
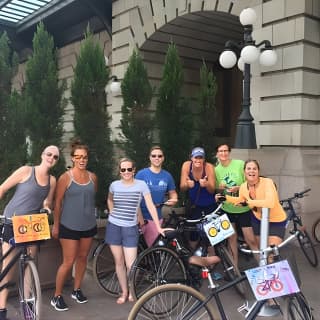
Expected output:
(223, 144)
(76, 145)
(252, 160)
(126, 160)
(155, 148)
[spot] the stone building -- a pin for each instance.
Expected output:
(285, 98)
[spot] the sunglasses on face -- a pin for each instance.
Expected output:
(126, 169)
(54, 156)
(80, 156)
(157, 156)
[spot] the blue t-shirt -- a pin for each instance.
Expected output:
(159, 185)
(126, 201)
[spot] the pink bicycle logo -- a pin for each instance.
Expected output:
(268, 285)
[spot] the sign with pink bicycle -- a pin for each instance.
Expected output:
(272, 280)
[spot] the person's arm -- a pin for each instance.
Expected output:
(242, 198)
(47, 203)
(268, 189)
(208, 181)
(110, 202)
(185, 182)
(173, 198)
(61, 188)
(16, 177)
(153, 211)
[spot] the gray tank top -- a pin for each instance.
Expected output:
(28, 197)
(78, 208)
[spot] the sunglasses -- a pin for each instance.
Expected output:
(126, 169)
(156, 156)
(54, 156)
(80, 156)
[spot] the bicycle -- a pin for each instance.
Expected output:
(178, 301)
(29, 289)
(103, 262)
(316, 230)
(303, 237)
(161, 265)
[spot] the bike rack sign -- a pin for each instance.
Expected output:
(272, 280)
(218, 229)
(32, 227)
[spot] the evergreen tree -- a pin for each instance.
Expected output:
(207, 111)
(43, 97)
(12, 134)
(173, 114)
(91, 119)
(136, 123)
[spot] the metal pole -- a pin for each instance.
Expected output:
(245, 130)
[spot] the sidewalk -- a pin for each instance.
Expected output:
(101, 306)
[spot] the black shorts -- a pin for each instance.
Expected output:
(277, 229)
(66, 233)
(241, 220)
(7, 232)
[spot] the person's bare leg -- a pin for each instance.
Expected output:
(250, 239)
(81, 261)
(121, 270)
(69, 251)
(233, 246)
(130, 255)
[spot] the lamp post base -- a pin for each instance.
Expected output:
(245, 136)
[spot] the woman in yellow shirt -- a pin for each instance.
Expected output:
(260, 192)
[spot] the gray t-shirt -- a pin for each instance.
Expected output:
(126, 201)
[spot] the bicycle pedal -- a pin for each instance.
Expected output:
(244, 308)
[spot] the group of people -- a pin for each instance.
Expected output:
(135, 199)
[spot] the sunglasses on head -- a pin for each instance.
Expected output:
(126, 169)
(50, 154)
(156, 156)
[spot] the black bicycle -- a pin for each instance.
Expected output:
(295, 221)
(29, 289)
(178, 301)
(170, 263)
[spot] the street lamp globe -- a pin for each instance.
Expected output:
(249, 53)
(228, 59)
(241, 64)
(115, 87)
(268, 57)
(248, 17)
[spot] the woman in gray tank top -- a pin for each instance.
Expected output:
(34, 190)
(74, 223)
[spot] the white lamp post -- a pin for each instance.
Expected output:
(248, 52)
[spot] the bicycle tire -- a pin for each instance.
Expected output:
(316, 230)
(171, 301)
(104, 270)
(154, 267)
(297, 308)
(31, 300)
(307, 248)
(231, 271)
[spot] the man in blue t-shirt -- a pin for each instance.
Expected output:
(161, 185)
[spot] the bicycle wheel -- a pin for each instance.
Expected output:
(104, 270)
(172, 301)
(297, 308)
(231, 271)
(316, 230)
(154, 267)
(307, 247)
(30, 292)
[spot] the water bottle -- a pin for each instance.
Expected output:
(199, 252)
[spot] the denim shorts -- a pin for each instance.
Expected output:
(122, 236)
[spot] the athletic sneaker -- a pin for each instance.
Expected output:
(78, 296)
(59, 304)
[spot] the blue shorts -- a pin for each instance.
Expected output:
(122, 236)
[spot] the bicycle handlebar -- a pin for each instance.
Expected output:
(297, 195)
(212, 215)
(272, 248)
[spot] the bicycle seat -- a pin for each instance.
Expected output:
(204, 261)
(171, 234)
